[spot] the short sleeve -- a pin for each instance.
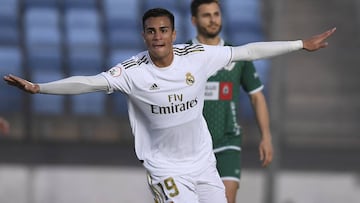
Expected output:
(118, 79)
(217, 57)
(250, 80)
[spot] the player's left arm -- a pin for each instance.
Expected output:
(261, 50)
(262, 116)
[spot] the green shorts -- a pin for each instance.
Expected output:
(229, 164)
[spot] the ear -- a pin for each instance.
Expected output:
(193, 20)
(143, 36)
(174, 36)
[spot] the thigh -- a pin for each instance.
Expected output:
(210, 188)
(172, 190)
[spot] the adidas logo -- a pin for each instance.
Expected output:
(154, 87)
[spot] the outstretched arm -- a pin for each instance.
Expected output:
(260, 50)
(71, 85)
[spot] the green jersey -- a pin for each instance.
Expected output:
(222, 102)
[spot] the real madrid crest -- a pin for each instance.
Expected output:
(190, 80)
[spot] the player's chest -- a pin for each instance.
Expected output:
(169, 87)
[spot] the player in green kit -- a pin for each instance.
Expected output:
(222, 100)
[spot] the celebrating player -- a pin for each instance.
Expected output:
(165, 90)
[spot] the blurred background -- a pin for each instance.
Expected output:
(80, 149)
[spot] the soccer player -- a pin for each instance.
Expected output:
(165, 90)
(4, 126)
(222, 100)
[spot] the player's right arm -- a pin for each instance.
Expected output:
(259, 105)
(70, 85)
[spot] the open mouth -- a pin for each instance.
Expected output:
(157, 46)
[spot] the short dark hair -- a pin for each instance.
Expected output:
(158, 12)
(196, 3)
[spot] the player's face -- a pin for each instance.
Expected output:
(208, 20)
(159, 37)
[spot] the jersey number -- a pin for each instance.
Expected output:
(171, 187)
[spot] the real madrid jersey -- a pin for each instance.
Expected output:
(165, 106)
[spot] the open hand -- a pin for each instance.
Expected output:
(318, 41)
(22, 84)
(266, 152)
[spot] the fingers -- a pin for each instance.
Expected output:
(21, 83)
(13, 80)
(318, 41)
(326, 35)
(329, 32)
(266, 156)
(17, 79)
(262, 154)
(268, 159)
(10, 80)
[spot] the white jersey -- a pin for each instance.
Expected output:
(165, 106)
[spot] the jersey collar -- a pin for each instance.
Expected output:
(196, 41)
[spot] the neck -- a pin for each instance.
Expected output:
(164, 61)
(208, 40)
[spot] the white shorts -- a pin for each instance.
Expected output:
(202, 187)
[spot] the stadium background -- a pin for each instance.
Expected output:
(79, 148)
